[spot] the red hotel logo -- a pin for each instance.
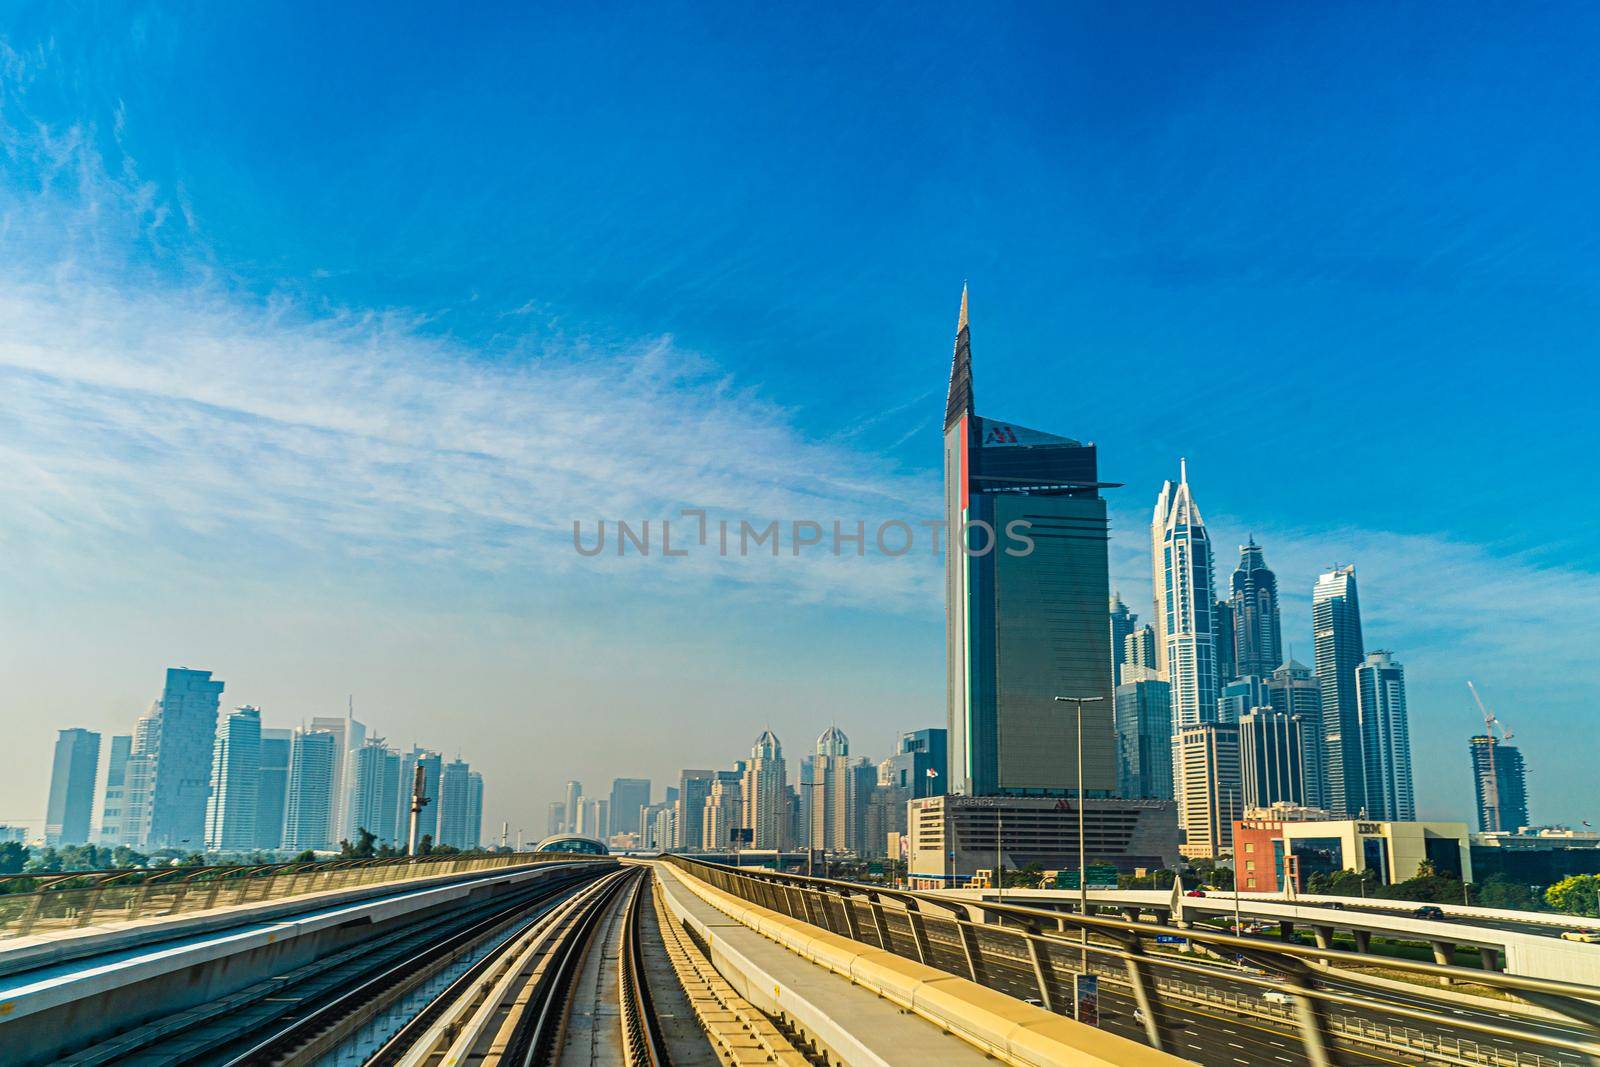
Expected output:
(1000, 435)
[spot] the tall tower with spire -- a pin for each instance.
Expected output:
(1026, 589)
(1184, 602)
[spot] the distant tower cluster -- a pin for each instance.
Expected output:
(188, 781)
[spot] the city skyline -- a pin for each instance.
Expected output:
(337, 429)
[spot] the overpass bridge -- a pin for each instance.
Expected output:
(564, 960)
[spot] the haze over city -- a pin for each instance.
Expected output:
(321, 421)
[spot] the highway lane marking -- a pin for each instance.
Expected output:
(1283, 1033)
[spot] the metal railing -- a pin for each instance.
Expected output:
(1035, 954)
(61, 902)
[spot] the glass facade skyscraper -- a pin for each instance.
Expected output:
(1272, 758)
(1385, 738)
(1025, 620)
(1144, 737)
(375, 792)
(1185, 602)
(455, 809)
(1336, 632)
(186, 727)
(235, 783)
(629, 796)
(272, 792)
(1292, 689)
(71, 803)
(1257, 626)
(312, 756)
(1122, 625)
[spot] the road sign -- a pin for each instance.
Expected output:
(1171, 939)
(1101, 876)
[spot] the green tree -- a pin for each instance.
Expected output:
(308, 856)
(1577, 894)
(362, 849)
(43, 861)
(1500, 892)
(13, 857)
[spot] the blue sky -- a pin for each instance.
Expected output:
(317, 331)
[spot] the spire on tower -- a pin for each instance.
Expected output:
(959, 400)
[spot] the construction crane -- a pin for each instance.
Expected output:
(1491, 792)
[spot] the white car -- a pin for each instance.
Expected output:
(1272, 996)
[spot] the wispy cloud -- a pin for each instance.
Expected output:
(148, 402)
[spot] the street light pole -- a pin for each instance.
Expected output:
(1235, 867)
(1083, 866)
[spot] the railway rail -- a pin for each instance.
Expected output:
(298, 1016)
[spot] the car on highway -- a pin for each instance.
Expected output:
(1586, 937)
(1273, 996)
(1428, 911)
(1195, 893)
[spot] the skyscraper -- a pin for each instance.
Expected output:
(1336, 631)
(312, 756)
(917, 753)
(272, 795)
(1241, 696)
(1026, 589)
(689, 826)
(475, 809)
(1122, 625)
(375, 792)
(1257, 629)
(765, 794)
(455, 816)
(1139, 650)
(629, 796)
(1385, 738)
(1185, 602)
(186, 728)
(570, 806)
(1293, 690)
(113, 795)
(593, 816)
(1222, 641)
(139, 778)
(71, 803)
(351, 736)
(556, 821)
(235, 782)
(1144, 735)
(1210, 789)
(829, 785)
(1272, 758)
(723, 809)
(1501, 785)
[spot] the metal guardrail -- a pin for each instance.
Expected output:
(1030, 952)
(141, 893)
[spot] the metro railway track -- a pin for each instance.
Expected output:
(512, 1008)
(509, 1006)
(646, 1044)
(295, 1018)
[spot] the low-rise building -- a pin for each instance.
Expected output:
(1393, 850)
(1535, 856)
(950, 838)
